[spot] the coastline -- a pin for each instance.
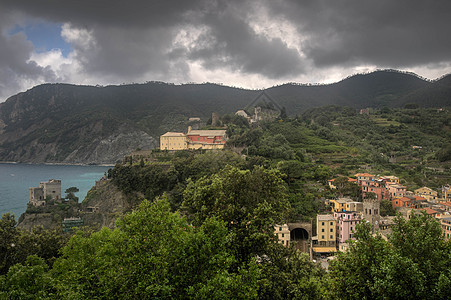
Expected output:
(16, 178)
(57, 164)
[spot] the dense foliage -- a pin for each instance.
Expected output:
(413, 264)
(206, 229)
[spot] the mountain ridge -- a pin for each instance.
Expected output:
(84, 124)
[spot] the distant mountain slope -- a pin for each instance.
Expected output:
(437, 94)
(86, 124)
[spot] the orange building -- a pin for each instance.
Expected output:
(410, 202)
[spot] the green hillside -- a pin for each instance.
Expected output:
(68, 123)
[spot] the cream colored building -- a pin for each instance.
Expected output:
(427, 193)
(283, 234)
(49, 189)
(173, 141)
(354, 206)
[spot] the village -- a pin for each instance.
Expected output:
(335, 229)
(329, 233)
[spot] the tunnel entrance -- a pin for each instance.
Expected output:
(300, 236)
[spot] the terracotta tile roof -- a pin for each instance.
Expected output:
(430, 211)
(364, 174)
(211, 133)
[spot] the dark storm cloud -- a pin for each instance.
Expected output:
(383, 32)
(130, 13)
(229, 41)
(125, 41)
(135, 37)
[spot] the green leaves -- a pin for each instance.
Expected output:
(413, 264)
(28, 281)
(153, 253)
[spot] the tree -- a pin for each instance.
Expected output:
(289, 274)
(153, 253)
(250, 203)
(8, 239)
(29, 281)
(421, 240)
(70, 193)
(387, 208)
(413, 264)
(347, 188)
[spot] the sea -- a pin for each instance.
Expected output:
(15, 179)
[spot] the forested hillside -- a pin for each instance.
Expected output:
(85, 124)
(200, 224)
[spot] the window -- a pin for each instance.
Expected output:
(322, 223)
(280, 228)
(322, 237)
(331, 236)
(322, 230)
(331, 223)
(331, 230)
(283, 235)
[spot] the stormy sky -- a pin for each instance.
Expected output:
(244, 43)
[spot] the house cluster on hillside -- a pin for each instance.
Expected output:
(193, 139)
(334, 230)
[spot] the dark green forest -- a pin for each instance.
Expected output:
(203, 222)
(74, 119)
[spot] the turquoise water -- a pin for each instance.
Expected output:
(15, 179)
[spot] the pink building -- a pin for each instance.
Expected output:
(346, 222)
(396, 190)
(374, 186)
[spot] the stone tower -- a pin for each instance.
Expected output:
(371, 212)
(214, 119)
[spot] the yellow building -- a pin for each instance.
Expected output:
(283, 234)
(339, 205)
(446, 192)
(326, 234)
(173, 141)
(427, 193)
(392, 179)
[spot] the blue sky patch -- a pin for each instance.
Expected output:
(44, 36)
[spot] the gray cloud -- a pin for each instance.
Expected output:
(229, 41)
(15, 64)
(391, 33)
(138, 40)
